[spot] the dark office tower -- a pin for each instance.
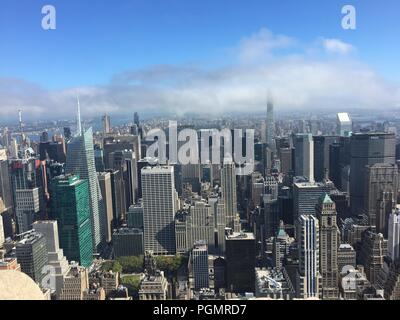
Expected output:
(99, 159)
(321, 155)
(67, 133)
(367, 149)
(44, 137)
(52, 150)
(373, 251)
(271, 215)
(31, 252)
(304, 156)
(118, 197)
(285, 155)
(240, 262)
(191, 174)
(120, 143)
(398, 152)
(106, 192)
(285, 199)
(80, 161)
(200, 265)
(70, 203)
(135, 216)
(328, 246)
(125, 162)
(136, 119)
(334, 165)
(5, 186)
(27, 185)
(305, 197)
(381, 187)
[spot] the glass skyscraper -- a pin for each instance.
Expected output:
(70, 206)
(80, 161)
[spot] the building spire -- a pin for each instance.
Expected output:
(78, 119)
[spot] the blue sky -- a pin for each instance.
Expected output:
(97, 41)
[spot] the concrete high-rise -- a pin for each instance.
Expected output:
(80, 161)
(304, 156)
(159, 208)
(367, 149)
(71, 208)
(31, 252)
(202, 224)
(229, 195)
(56, 258)
(308, 281)
(328, 247)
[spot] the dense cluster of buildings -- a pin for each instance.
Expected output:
(317, 218)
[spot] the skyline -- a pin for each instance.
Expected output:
(183, 58)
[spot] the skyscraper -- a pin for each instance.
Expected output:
(367, 149)
(381, 186)
(31, 252)
(270, 135)
(159, 207)
(202, 224)
(394, 234)
(80, 161)
(328, 247)
(321, 155)
(56, 259)
(240, 262)
(106, 193)
(106, 123)
(71, 208)
(229, 196)
(308, 275)
(200, 265)
(304, 156)
(344, 125)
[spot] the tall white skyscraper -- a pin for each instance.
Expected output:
(159, 207)
(229, 196)
(202, 221)
(304, 156)
(80, 161)
(308, 275)
(344, 124)
(1, 230)
(394, 234)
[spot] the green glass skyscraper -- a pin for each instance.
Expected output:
(71, 208)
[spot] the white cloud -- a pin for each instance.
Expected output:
(296, 82)
(337, 46)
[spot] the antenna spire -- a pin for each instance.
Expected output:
(78, 118)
